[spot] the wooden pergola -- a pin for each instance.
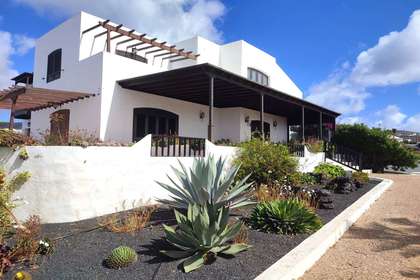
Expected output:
(139, 42)
(18, 98)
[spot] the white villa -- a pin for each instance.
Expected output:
(172, 100)
(121, 85)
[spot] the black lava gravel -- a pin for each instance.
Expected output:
(81, 255)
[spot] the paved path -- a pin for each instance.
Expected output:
(384, 243)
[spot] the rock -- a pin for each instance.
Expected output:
(326, 206)
(325, 199)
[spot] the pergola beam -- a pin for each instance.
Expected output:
(111, 28)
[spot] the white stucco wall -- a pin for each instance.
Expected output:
(87, 68)
(74, 183)
(310, 161)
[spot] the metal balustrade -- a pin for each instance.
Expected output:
(177, 146)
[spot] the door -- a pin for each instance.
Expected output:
(153, 121)
(256, 129)
(59, 126)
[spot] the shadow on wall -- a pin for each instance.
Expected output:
(399, 234)
(9, 160)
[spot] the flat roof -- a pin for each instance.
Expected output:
(230, 90)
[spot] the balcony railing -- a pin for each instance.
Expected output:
(177, 146)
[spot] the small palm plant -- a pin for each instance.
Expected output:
(201, 237)
(206, 183)
(290, 216)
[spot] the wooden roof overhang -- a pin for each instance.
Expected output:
(33, 99)
(230, 90)
(113, 32)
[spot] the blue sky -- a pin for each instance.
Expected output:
(317, 42)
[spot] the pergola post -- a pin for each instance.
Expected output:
(108, 40)
(262, 115)
(211, 104)
(303, 124)
(320, 126)
(12, 113)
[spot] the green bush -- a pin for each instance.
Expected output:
(377, 146)
(266, 162)
(7, 188)
(299, 179)
(290, 216)
(329, 171)
(315, 145)
(360, 178)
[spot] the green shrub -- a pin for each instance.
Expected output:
(378, 147)
(205, 183)
(266, 162)
(329, 171)
(201, 236)
(299, 179)
(360, 178)
(120, 257)
(7, 188)
(290, 216)
(23, 154)
(315, 145)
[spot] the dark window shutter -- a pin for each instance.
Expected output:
(54, 66)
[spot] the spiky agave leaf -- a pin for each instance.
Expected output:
(206, 182)
(200, 234)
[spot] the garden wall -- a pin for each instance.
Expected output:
(74, 183)
(310, 161)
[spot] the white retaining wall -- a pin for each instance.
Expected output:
(74, 183)
(310, 161)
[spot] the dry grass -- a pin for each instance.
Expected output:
(27, 240)
(128, 222)
(242, 236)
(264, 193)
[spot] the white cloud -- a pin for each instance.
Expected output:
(11, 45)
(395, 60)
(350, 120)
(6, 65)
(392, 117)
(23, 43)
(171, 20)
(338, 94)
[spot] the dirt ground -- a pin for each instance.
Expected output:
(384, 243)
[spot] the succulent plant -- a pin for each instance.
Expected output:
(200, 237)
(121, 257)
(205, 183)
(22, 275)
(290, 216)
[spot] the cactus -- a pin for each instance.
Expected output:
(121, 257)
(22, 275)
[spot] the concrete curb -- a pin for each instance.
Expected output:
(306, 254)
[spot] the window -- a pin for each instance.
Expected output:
(153, 121)
(54, 66)
(257, 76)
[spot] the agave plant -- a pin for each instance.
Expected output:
(206, 183)
(290, 216)
(200, 238)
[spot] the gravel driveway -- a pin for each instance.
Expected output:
(384, 243)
